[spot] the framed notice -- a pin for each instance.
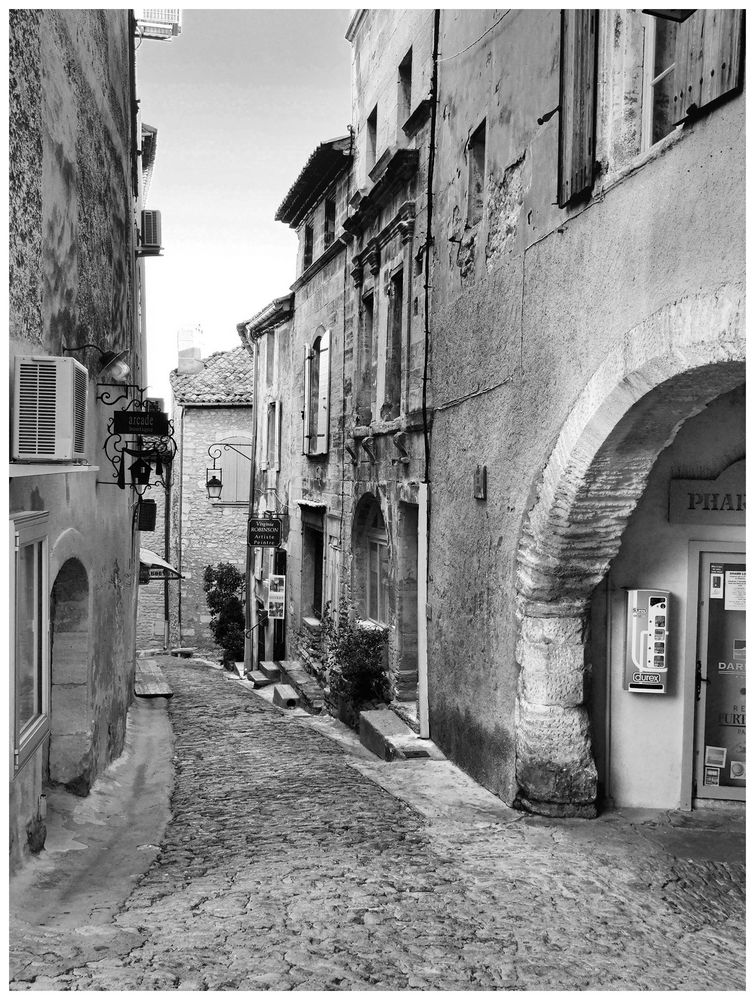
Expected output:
(276, 600)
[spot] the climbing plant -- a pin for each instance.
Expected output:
(356, 660)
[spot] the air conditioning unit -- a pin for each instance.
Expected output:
(151, 234)
(157, 23)
(49, 410)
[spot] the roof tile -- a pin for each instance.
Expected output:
(227, 377)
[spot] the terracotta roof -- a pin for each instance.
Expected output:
(226, 379)
(321, 169)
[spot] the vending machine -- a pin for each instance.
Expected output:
(645, 663)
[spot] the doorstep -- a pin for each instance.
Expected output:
(387, 736)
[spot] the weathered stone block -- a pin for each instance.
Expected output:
(553, 754)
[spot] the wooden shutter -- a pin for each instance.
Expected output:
(323, 396)
(307, 401)
(709, 50)
(576, 144)
(278, 420)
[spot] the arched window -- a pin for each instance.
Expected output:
(371, 584)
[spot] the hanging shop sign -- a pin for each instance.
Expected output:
(154, 422)
(276, 598)
(709, 501)
(264, 531)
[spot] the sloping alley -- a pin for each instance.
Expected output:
(294, 860)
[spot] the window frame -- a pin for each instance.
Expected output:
(378, 541)
(649, 83)
(30, 528)
(316, 412)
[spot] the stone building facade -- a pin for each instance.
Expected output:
(212, 406)
(75, 194)
(534, 305)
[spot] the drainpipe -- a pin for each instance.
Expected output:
(423, 562)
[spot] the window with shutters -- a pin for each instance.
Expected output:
(236, 466)
(29, 640)
(330, 221)
(309, 246)
(689, 67)
(317, 395)
(576, 145)
(476, 175)
(272, 436)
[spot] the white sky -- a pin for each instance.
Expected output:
(240, 99)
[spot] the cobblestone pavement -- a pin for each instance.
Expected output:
(288, 864)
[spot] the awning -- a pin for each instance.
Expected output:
(160, 568)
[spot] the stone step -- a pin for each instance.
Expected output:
(184, 651)
(270, 669)
(387, 736)
(258, 679)
(305, 684)
(285, 697)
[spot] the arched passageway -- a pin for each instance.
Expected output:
(665, 371)
(70, 736)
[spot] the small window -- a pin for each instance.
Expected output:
(659, 109)
(366, 381)
(30, 676)
(309, 245)
(392, 406)
(272, 435)
(476, 188)
(330, 221)
(405, 88)
(270, 360)
(371, 150)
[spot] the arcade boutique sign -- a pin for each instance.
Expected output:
(709, 501)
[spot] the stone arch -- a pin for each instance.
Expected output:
(70, 724)
(665, 370)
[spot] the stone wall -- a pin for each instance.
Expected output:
(74, 280)
(530, 304)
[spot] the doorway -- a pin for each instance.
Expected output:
(720, 677)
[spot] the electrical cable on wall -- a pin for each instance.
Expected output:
(472, 44)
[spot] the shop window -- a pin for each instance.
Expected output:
(236, 470)
(576, 145)
(688, 66)
(330, 221)
(371, 149)
(405, 87)
(476, 175)
(30, 674)
(317, 395)
(309, 245)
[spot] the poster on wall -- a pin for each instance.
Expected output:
(276, 600)
(725, 708)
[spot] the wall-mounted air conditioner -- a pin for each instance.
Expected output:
(150, 243)
(49, 409)
(161, 24)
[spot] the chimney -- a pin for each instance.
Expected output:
(190, 350)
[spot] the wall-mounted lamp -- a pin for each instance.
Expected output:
(112, 364)
(214, 483)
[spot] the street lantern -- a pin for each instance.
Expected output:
(214, 483)
(140, 473)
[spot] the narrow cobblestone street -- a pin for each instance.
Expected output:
(294, 861)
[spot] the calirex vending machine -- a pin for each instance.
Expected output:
(645, 663)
